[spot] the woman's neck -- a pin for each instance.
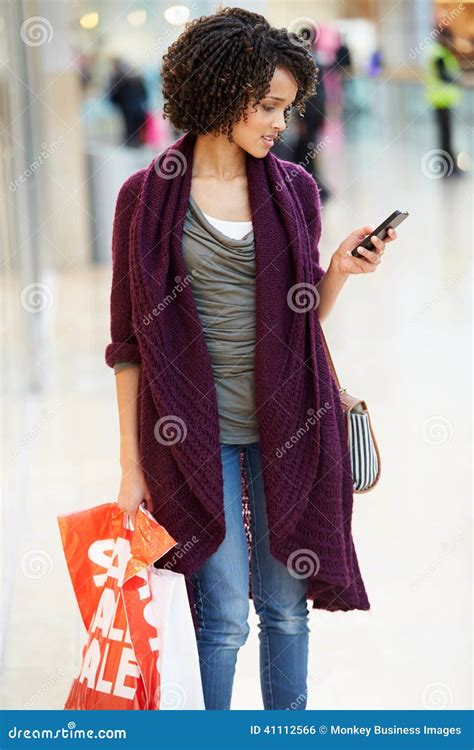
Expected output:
(215, 158)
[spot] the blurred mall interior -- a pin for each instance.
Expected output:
(399, 337)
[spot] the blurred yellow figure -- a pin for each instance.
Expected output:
(441, 70)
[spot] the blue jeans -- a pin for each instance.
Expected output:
(222, 600)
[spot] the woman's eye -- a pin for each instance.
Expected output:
(268, 109)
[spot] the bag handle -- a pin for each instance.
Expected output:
(330, 359)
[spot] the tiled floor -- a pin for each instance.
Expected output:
(399, 338)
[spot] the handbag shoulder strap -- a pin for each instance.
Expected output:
(330, 358)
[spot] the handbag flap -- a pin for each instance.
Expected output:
(350, 402)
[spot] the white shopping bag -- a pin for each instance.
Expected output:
(178, 660)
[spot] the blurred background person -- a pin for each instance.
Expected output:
(374, 65)
(443, 92)
(307, 130)
(128, 93)
(310, 127)
(344, 68)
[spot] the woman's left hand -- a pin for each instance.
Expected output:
(345, 263)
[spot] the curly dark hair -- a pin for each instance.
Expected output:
(221, 62)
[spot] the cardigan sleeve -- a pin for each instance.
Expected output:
(123, 344)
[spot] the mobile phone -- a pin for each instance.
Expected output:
(392, 222)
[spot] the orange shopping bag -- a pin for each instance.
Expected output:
(108, 563)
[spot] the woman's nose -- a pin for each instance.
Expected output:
(279, 123)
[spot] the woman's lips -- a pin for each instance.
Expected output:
(268, 140)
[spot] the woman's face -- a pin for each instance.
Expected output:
(263, 125)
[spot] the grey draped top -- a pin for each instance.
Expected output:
(223, 285)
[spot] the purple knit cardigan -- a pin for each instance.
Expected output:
(303, 434)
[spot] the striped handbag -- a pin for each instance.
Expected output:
(364, 451)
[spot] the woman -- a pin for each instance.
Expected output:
(215, 253)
